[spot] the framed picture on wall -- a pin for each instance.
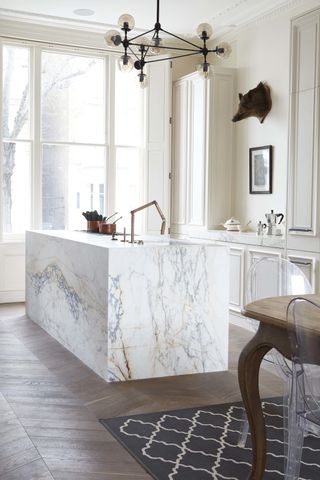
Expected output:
(260, 169)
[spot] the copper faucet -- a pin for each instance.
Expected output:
(154, 202)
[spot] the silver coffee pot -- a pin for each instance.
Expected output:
(272, 221)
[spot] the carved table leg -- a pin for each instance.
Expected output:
(248, 374)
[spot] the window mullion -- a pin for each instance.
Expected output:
(1, 143)
(36, 200)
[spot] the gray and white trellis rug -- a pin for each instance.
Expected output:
(201, 443)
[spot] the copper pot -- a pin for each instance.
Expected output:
(107, 228)
(93, 226)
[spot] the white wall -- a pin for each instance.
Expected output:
(262, 53)
(183, 66)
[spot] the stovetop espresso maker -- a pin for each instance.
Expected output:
(272, 221)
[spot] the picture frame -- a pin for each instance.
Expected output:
(260, 170)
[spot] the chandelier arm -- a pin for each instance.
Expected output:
(141, 34)
(179, 38)
(133, 52)
(145, 53)
(165, 47)
(171, 58)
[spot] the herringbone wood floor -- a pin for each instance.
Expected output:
(50, 404)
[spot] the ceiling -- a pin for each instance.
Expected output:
(178, 16)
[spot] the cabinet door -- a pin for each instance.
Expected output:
(303, 166)
(179, 157)
(202, 151)
(197, 149)
(158, 142)
(268, 284)
(236, 279)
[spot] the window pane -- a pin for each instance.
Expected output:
(128, 187)
(71, 178)
(72, 98)
(129, 98)
(16, 186)
(16, 98)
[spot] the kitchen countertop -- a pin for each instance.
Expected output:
(100, 240)
(247, 238)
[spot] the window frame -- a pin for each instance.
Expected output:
(37, 142)
(16, 237)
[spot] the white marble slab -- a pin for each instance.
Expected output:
(131, 312)
(66, 285)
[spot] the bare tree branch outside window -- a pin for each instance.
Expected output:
(60, 77)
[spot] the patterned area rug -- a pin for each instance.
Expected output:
(201, 443)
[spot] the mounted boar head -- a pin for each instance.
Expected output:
(256, 103)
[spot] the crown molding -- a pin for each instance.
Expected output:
(18, 30)
(287, 7)
(53, 21)
(24, 25)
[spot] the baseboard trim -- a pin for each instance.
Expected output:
(240, 321)
(12, 297)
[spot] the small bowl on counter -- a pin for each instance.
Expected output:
(232, 225)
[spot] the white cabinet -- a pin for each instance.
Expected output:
(242, 256)
(201, 151)
(303, 165)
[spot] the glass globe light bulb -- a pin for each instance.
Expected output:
(204, 70)
(125, 63)
(112, 38)
(226, 50)
(204, 27)
(156, 44)
(141, 41)
(142, 80)
(126, 21)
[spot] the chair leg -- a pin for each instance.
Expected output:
(244, 430)
(294, 433)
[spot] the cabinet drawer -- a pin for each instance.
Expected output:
(308, 264)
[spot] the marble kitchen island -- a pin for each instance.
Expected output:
(131, 311)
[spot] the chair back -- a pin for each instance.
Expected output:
(274, 276)
(303, 316)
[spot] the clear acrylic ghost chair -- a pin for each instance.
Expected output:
(304, 396)
(272, 277)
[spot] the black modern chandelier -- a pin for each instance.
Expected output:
(140, 50)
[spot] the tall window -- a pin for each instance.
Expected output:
(17, 141)
(72, 137)
(57, 146)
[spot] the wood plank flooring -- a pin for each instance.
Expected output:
(50, 404)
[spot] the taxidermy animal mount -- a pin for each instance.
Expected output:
(256, 103)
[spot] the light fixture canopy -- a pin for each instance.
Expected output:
(144, 49)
